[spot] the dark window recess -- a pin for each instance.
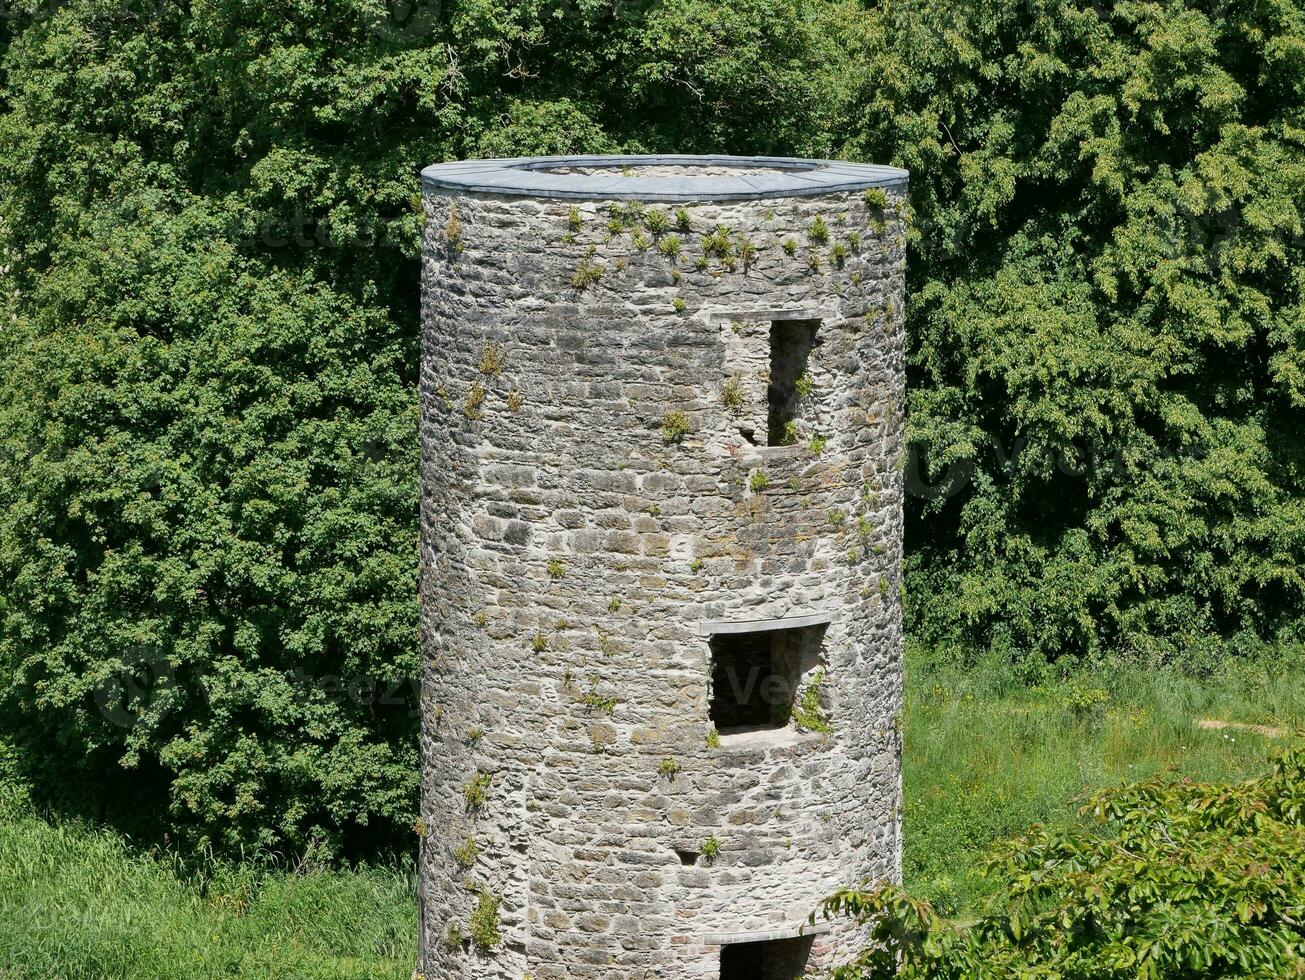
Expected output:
(754, 676)
(791, 342)
(779, 959)
(688, 858)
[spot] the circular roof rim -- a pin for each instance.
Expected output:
(530, 177)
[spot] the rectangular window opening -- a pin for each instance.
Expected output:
(777, 959)
(755, 676)
(791, 342)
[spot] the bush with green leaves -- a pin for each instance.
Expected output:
(1170, 881)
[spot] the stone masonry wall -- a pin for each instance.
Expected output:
(588, 502)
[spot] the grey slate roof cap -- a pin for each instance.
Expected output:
(619, 177)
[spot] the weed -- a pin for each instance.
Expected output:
(670, 246)
(675, 425)
(484, 924)
(682, 219)
(817, 444)
(808, 713)
(613, 604)
(731, 393)
(679, 304)
(668, 767)
(713, 738)
(657, 222)
(465, 854)
(804, 386)
(574, 219)
(709, 848)
(492, 359)
(515, 400)
(758, 481)
(876, 198)
(476, 792)
(556, 568)
(539, 642)
(790, 247)
(474, 401)
(819, 231)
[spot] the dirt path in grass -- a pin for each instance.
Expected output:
(1216, 725)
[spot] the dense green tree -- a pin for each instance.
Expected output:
(1107, 319)
(208, 362)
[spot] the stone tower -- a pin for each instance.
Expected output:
(661, 509)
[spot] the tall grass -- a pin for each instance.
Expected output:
(79, 903)
(987, 754)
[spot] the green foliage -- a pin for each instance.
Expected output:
(465, 854)
(483, 927)
(790, 246)
(713, 738)
(675, 426)
(670, 246)
(668, 767)
(1107, 339)
(1162, 864)
(556, 568)
(77, 902)
(758, 481)
(808, 712)
(992, 747)
(805, 385)
(709, 848)
(819, 231)
(731, 393)
(476, 792)
(876, 198)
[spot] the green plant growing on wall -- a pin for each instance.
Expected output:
(657, 222)
(539, 642)
(613, 604)
(817, 443)
(808, 712)
(709, 848)
(718, 244)
(641, 241)
(515, 400)
(701, 263)
(453, 934)
(790, 432)
(819, 231)
(465, 854)
(668, 767)
(453, 227)
(574, 219)
(695, 566)
(679, 305)
(474, 401)
(484, 924)
(876, 198)
(556, 568)
(747, 251)
(837, 517)
(804, 386)
(670, 247)
(682, 221)
(713, 738)
(476, 792)
(675, 426)
(596, 702)
(587, 272)
(492, 359)
(790, 247)
(731, 393)
(838, 254)
(758, 481)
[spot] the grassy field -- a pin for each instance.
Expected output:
(987, 754)
(77, 903)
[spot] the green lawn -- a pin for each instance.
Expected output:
(76, 903)
(986, 755)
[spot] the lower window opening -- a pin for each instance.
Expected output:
(777, 959)
(755, 676)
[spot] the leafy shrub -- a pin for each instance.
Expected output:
(1173, 880)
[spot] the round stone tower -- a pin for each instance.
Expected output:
(661, 510)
